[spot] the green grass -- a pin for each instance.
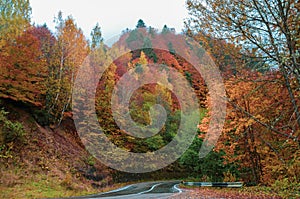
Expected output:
(45, 187)
(41, 188)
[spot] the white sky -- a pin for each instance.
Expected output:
(113, 15)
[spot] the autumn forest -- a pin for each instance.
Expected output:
(254, 44)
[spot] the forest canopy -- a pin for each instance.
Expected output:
(255, 44)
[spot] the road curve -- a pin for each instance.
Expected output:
(163, 189)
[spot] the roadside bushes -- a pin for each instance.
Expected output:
(10, 131)
(210, 168)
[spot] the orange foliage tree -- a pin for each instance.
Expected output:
(259, 133)
(263, 121)
(23, 70)
(70, 50)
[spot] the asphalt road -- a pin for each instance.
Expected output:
(145, 190)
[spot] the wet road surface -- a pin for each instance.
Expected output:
(141, 190)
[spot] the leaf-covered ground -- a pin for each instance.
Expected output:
(218, 193)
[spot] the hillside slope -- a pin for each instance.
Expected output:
(45, 162)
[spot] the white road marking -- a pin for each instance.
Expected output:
(117, 190)
(154, 195)
(176, 188)
(150, 189)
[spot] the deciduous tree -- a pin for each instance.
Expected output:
(23, 70)
(14, 19)
(70, 51)
(267, 27)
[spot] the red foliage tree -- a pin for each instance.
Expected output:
(23, 70)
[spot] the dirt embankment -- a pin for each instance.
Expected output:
(47, 154)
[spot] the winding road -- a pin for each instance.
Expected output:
(165, 189)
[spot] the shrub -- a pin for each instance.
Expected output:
(90, 160)
(287, 188)
(10, 131)
(228, 177)
(42, 117)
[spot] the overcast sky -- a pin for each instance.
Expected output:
(112, 15)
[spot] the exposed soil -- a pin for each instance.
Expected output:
(53, 153)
